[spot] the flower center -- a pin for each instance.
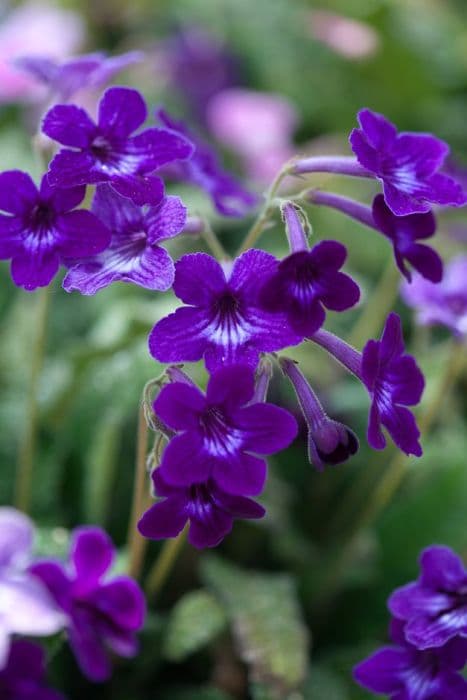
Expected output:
(220, 438)
(227, 327)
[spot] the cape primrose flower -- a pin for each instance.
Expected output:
(23, 677)
(224, 322)
(435, 606)
(402, 672)
(209, 510)
(134, 254)
(407, 164)
(218, 435)
(107, 151)
(103, 614)
(39, 231)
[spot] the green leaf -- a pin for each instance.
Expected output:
(323, 683)
(267, 626)
(195, 621)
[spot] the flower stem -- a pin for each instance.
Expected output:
(26, 456)
(164, 563)
(214, 244)
(350, 207)
(136, 542)
(340, 165)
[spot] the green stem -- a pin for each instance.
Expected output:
(164, 563)
(378, 306)
(136, 543)
(26, 456)
(214, 244)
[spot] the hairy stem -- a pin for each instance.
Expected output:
(164, 563)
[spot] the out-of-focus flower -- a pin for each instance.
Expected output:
(209, 510)
(23, 677)
(200, 65)
(258, 126)
(442, 304)
(221, 435)
(35, 28)
(108, 151)
(434, 607)
(223, 320)
(350, 38)
(134, 254)
(87, 72)
(103, 614)
(402, 672)
(204, 170)
(25, 604)
(408, 164)
(40, 231)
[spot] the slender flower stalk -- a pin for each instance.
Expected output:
(294, 227)
(136, 543)
(27, 451)
(263, 377)
(344, 353)
(164, 563)
(339, 165)
(350, 207)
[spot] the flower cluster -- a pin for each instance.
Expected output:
(100, 614)
(429, 635)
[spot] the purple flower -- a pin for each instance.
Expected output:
(392, 378)
(134, 254)
(65, 78)
(103, 615)
(402, 672)
(329, 442)
(224, 322)
(444, 303)
(435, 606)
(218, 435)
(204, 170)
(23, 678)
(107, 151)
(25, 604)
(307, 281)
(403, 232)
(40, 231)
(209, 510)
(406, 163)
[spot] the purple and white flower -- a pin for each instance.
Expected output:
(134, 254)
(108, 151)
(103, 613)
(40, 232)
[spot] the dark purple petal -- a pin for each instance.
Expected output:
(402, 427)
(198, 279)
(339, 292)
(141, 189)
(70, 126)
(122, 601)
(423, 152)
(266, 428)
(18, 193)
(382, 671)
(180, 337)
(92, 553)
(231, 387)
(392, 343)
(407, 381)
(185, 460)
(367, 156)
(379, 131)
(72, 168)
(89, 649)
(159, 147)
(61, 200)
(453, 687)
(165, 221)
(117, 212)
(425, 631)
(32, 271)
(402, 203)
(210, 528)
(240, 474)
(375, 435)
(413, 226)
(121, 111)
(53, 576)
(442, 568)
(271, 331)
(80, 234)
(447, 191)
(237, 506)
(426, 261)
(248, 268)
(165, 518)
(11, 235)
(179, 406)
(328, 254)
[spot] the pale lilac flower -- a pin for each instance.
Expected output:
(443, 304)
(348, 37)
(26, 607)
(134, 254)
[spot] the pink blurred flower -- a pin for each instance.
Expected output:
(348, 37)
(258, 126)
(34, 28)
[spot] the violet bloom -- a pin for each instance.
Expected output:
(40, 232)
(435, 606)
(218, 435)
(394, 380)
(402, 672)
(205, 171)
(66, 78)
(403, 232)
(308, 281)
(26, 606)
(224, 322)
(134, 254)
(24, 676)
(407, 164)
(329, 442)
(209, 510)
(442, 304)
(103, 614)
(107, 151)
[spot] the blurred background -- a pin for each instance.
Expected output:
(283, 608)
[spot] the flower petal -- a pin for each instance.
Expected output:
(121, 111)
(180, 337)
(141, 189)
(240, 474)
(164, 519)
(166, 220)
(249, 267)
(382, 672)
(81, 234)
(32, 271)
(89, 649)
(72, 168)
(402, 427)
(28, 608)
(180, 405)
(92, 553)
(18, 193)
(53, 576)
(69, 125)
(379, 131)
(16, 537)
(198, 279)
(185, 461)
(231, 387)
(442, 568)
(11, 236)
(115, 211)
(210, 529)
(159, 147)
(122, 601)
(266, 428)
(426, 261)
